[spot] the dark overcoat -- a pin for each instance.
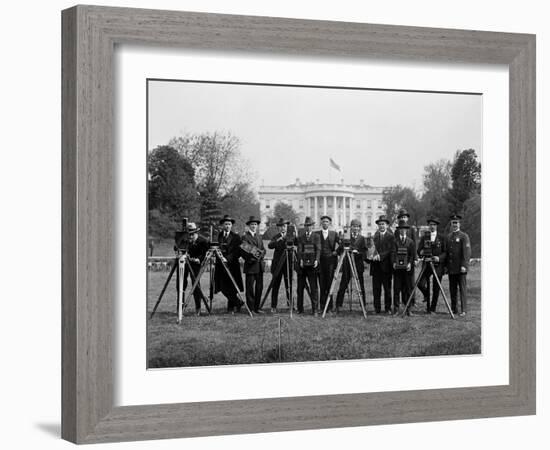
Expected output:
(384, 247)
(231, 250)
(358, 243)
(409, 245)
(458, 251)
(251, 264)
(279, 247)
(301, 241)
(439, 249)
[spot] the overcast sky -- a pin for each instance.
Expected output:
(383, 137)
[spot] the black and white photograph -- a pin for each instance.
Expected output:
(292, 223)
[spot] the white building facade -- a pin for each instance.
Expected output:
(342, 202)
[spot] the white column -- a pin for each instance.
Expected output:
(316, 218)
(335, 211)
(324, 205)
(344, 209)
(351, 200)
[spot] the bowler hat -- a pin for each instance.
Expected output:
(282, 222)
(326, 217)
(402, 224)
(192, 227)
(433, 219)
(227, 218)
(403, 213)
(355, 222)
(308, 221)
(382, 218)
(253, 219)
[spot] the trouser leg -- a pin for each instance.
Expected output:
(300, 291)
(436, 290)
(249, 286)
(386, 283)
(275, 289)
(259, 287)
(453, 285)
(312, 279)
(377, 291)
(463, 292)
(344, 281)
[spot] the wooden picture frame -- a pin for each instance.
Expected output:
(89, 37)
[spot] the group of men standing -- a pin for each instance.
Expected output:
(392, 257)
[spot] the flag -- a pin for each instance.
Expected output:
(334, 165)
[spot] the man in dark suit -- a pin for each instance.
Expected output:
(196, 252)
(278, 244)
(230, 247)
(358, 249)
(381, 264)
(458, 261)
(308, 252)
(253, 265)
(438, 244)
(412, 232)
(403, 257)
(329, 242)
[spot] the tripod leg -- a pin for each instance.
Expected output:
(234, 285)
(196, 281)
(212, 282)
(333, 284)
(193, 278)
(172, 270)
(289, 278)
(435, 277)
(275, 275)
(355, 276)
(413, 288)
(181, 292)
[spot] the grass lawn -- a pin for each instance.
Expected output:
(222, 338)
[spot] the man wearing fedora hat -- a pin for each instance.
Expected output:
(412, 232)
(253, 266)
(404, 247)
(230, 247)
(308, 252)
(438, 244)
(196, 252)
(358, 248)
(458, 261)
(278, 244)
(381, 265)
(329, 242)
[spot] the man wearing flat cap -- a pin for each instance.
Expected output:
(412, 232)
(278, 244)
(253, 265)
(458, 261)
(329, 242)
(381, 265)
(196, 252)
(308, 253)
(403, 257)
(438, 245)
(230, 248)
(358, 248)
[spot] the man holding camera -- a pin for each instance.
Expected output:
(381, 264)
(196, 252)
(432, 248)
(412, 233)
(278, 243)
(253, 265)
(358, 248)
(329, 242)
(230, 248)
(458, 261)
(308, 253)
(403, 257)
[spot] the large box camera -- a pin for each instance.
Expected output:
(401, 260)
(181, 238)
(427, 248)
(308, 256)
(290, 236)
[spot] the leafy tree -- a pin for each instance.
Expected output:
(465, 176)
(398, 197)
(471, 223)
(171, 191)
(286, 211)
(437, 184)
(241, 202)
